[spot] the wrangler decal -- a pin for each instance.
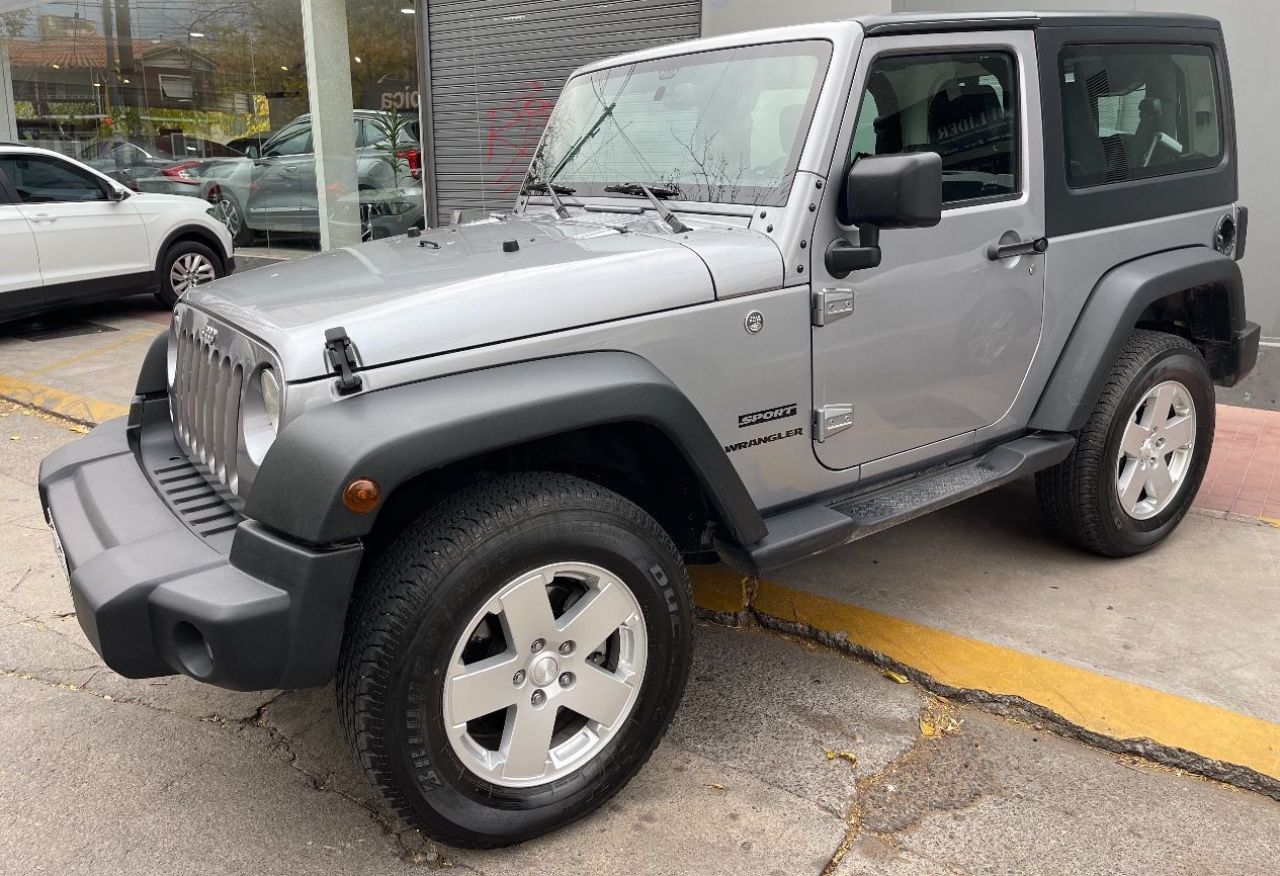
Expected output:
(763, 439)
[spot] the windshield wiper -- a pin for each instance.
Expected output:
(573, 150)
(554, 191)
(655, 194)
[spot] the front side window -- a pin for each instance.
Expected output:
(1136, 111)
(723, 126)
(963, 105)
(43, 180)
(296, 142)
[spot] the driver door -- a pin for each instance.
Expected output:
(940, 335)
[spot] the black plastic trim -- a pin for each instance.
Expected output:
(155, 598)
(951, 25)
(960, 23)
(1109, 317)
(1071, 211)
(153, 377)
(395, 434)
(806, 530)
(1231, 361)
(1242, 230)
(20, 303)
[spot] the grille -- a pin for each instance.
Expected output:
(206, 405)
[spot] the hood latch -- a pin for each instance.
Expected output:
(342, 359)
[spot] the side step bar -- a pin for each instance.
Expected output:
(809, 529)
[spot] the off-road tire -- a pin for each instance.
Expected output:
(1079, 495)
(409, 612)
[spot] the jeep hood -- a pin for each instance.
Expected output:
(466, 286)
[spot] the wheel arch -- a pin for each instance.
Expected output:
(194, 233)
(609, 416)
(1194, 292)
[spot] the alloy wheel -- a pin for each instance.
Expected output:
(190, 270)
(545, 674)
(229, 215)
(1156, 450)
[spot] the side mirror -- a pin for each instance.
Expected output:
(895, 191)
(885, 191)
(117, 193)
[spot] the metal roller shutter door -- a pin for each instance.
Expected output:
(496, 69)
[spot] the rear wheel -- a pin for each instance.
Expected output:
(186, 265)
(514, 657)
(1141, 456)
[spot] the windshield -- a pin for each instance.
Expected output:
(724, 126)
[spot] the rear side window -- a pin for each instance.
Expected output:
(1138, 111)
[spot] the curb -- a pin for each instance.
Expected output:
(60, 403)
(1109, 713)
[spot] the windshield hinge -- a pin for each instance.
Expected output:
(342, 359)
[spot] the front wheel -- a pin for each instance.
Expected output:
(514, 657)
(185, 266)
(1141, 456)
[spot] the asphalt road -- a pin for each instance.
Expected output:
(101, 774)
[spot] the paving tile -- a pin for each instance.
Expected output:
(1243, 476)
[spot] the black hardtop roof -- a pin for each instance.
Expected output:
(928, 22)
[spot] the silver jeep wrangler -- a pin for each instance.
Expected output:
(760, 296)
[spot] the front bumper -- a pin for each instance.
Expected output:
(167, 578)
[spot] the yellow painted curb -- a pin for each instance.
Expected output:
(57, 401)
(718, 589)
(1089, 700)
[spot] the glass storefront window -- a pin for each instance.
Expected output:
(210, 100)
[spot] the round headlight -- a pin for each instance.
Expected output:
(260, 418)
(271, 397)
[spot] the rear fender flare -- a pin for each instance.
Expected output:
(1110, 316)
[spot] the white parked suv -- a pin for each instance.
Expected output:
(69, 234)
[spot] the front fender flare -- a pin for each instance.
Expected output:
(1110, 315)
(395, 434)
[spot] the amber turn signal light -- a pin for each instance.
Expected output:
(361, 495)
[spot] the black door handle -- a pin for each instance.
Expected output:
(999, 251)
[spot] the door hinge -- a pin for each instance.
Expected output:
(342, 359)
(830, 419)
(831, 304)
